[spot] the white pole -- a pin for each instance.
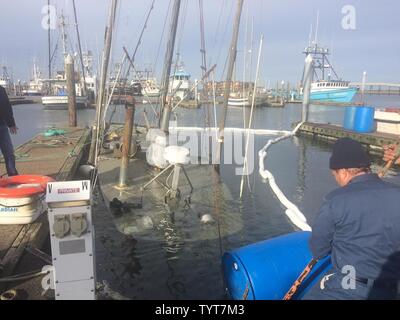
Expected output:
(245, 169)
(364, 80)
(308, 76)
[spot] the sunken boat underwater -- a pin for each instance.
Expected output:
(267, 270)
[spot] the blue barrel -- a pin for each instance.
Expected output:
(364, 120)
(266, 270)
(349, 118)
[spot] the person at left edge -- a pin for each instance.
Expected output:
(7, 126)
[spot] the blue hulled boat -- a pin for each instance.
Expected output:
(322, 89)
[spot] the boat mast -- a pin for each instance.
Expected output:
(63, 35)
(48, 35)
(166, 107)
(232, 59)
(140, 38)
(80, 49)
(104, 68)
(204, 62)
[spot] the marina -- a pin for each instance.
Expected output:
(169, 181)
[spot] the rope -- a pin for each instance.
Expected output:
(162, 35)
(292, 211)
(25, 276)
(293, 289)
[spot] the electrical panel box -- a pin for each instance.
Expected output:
(72, 239)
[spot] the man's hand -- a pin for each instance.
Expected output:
(14, 130)
(390, 153)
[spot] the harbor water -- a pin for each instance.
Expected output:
(186, 267)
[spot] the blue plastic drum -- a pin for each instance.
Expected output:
(266, 270)
(349, 118)
(364, 120)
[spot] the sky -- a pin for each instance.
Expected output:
(370, 42)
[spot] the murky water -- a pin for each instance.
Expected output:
(182, 267)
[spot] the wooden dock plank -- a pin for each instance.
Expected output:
(333, 132)
(60, 162)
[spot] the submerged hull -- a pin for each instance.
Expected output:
(339, 95)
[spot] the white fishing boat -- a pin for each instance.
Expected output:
(180, 84)
(57, 95)
(240, 100)
(61, 102)
(150, 88)
(5, 80)
(35, 86)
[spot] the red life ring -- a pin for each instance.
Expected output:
(13, 187)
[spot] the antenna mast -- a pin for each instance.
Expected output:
(166, 107)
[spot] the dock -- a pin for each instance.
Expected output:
(16, 100)
(55, 156)
(333, 132)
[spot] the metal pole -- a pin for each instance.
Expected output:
(166, 107)
(80, 50)
(232, 59)
(364, 80)
(70, 76)
(104, 67)
(48, 35)
(245, 168)
(308, 76)
(126, 143)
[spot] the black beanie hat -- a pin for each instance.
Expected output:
(348, 153)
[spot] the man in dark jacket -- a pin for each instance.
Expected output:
(7, 125)
(359, 226)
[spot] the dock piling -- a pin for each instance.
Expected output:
(308, 76)
(70, 76)
(126, 143)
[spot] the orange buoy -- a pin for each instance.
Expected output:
(23, 186)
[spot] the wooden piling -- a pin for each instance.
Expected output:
(127, 140)
(70, 76)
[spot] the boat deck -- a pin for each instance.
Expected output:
(178, 234)
(56, 156)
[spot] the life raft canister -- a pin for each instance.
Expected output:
(23, 186)
(21, 198)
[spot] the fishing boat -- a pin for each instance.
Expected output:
(5, 80)
(331, 91)
(181, 84)
(240, 100)
(326, 88)
(60, 102)
(35, 86)
(57, 96)
(150, 88)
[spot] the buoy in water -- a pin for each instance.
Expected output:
(86, 170)
(207, 218)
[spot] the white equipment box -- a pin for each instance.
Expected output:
(72, 239)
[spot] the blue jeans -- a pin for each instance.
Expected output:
(7, 150)
(333, 290)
